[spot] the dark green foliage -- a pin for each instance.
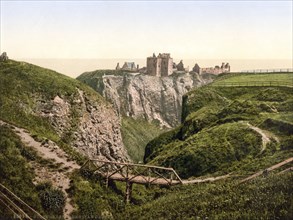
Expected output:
(197, 121)
(286, 106)
(272, 94)
(194, 101)
(278, 126)
(238, 107)
(287, 143)
(52, 200)
(155, 146)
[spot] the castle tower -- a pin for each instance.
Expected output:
(162, 65)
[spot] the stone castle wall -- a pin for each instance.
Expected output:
(162, 65)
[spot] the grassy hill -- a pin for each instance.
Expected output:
(23, 86)
(223, 130)
(259, 79)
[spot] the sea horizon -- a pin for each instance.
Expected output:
(75, 67)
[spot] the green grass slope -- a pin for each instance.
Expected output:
(247, 79)
(136, 133)
(217, 134)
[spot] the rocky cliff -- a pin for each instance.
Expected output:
(60, 109)
(89, 126)
(142, 96)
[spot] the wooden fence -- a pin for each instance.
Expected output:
(282, 70)
(252, 84)
(16, 206)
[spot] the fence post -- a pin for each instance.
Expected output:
(128, 192)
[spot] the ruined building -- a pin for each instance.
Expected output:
(130, 66)
(161, 65)
(225, 68)
(180, 66)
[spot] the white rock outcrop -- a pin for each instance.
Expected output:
(153, 98)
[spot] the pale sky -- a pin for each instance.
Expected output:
(136, 29)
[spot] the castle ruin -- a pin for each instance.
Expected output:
(225, 68)
(129, 66)
(161, 65)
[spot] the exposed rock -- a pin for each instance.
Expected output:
(58, 112)
(92, 128)
(152, 98)
(99, 132)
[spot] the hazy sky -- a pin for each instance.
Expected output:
(136, 29)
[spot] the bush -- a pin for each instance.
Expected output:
(53, 200)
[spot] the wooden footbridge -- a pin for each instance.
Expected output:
(133, 173)
(153, 175)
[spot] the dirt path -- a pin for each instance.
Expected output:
(266, 137)
(209, 179)
(52, 152)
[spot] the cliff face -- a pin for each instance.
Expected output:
(93, 128)
(59, 108)
(149, 97)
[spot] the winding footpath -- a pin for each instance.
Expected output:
(266, 137)
(59, 158)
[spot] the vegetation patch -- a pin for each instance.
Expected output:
(136, 133)
(52, 200)
(263, 198)
(215, 137)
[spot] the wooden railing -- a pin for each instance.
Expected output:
(133, 173)
(16, 206)
(136, 173)
(280, 70)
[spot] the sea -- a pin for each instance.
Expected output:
(75, 67)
